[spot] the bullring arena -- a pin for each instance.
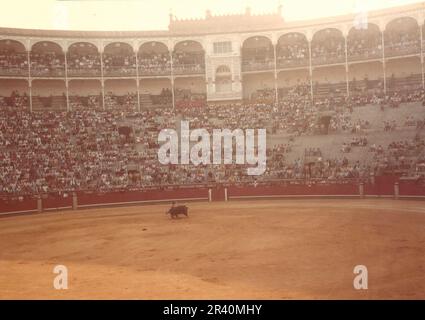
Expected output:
(342, 102)
(280, 249)
(272, 246)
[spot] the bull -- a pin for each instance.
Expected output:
(175, 211)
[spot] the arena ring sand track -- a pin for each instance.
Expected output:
(280, 249)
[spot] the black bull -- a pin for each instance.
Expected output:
(175, 211)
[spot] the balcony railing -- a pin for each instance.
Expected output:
(328, 59)
(292, 63)
(39, 70)
(410, 48)
(365, 54)
(252, 65)
(119, 71)
(188, 69)
(81, 72)
(47, 72)
(154, 71)
(14, 71)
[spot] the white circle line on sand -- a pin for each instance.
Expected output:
(413, 209)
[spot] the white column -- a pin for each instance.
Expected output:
(172, 79)
(422, 56)
(29, 79)
(310, 70)
(103, 93)
(275, 75)
(30, 93)
(346, 66)
(74, 201)
(39, 204)
(396, 190)
(66, 81)
(383, 62)
(137, 82)
(361, 190)
(102, 81)
(67, 95)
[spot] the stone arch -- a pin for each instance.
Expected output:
(14, 53)
(189, 57)
(292, 50)
(154, 59)
(119, 60)
(223, 79)
(328, 46)
(83, 59)
(364, 43)
(257, 54)
(47, 59)
(402, 37)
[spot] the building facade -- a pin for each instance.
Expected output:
(225, 58)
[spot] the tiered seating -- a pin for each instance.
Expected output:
(88, 149)
(189, 63)
(13, 63)
(120, 61)
(47, 64)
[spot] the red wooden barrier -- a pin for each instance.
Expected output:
(382, 186)
(217, 193)
(85, 199)
(18, 204)
(294, 190)
(412, 189)
(57, 201)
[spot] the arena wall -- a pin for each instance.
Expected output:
(253, 82)
(84, 87)
(121, 87)
(370, 70)
(335, 74)
(403, 67)
(290, 78)
(7, 86)
(201, 37)
(194, 84)
(46, 88)
(154, 86)
(383, 187)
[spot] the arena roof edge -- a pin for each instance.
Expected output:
(406, 10)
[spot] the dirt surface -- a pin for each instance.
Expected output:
(279, 249)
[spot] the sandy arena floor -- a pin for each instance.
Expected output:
(276, 249)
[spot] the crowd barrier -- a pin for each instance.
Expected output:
(25, 204)
(411, 189)
(56, 201)
(292, 190)
(86, 199)
(387, 187)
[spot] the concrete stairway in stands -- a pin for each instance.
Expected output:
(145, 99)
(55, 103)
(59, 103)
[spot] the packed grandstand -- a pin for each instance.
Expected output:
(81, 111)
